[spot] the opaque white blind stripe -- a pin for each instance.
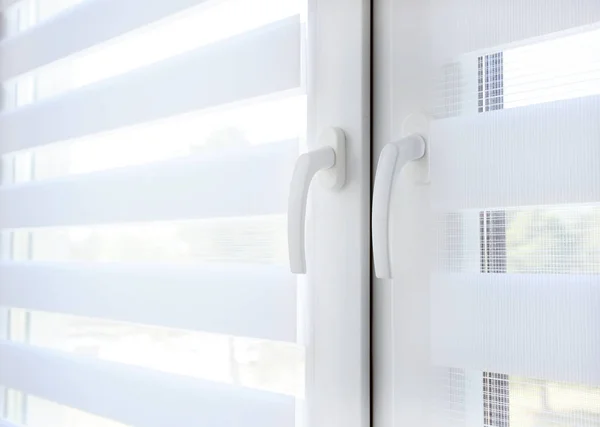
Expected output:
(535, 155)
(462, 26)
(529, 325)
(81, 27)
(254, 64)
(253, 182)
(138, 396)
(256, 301)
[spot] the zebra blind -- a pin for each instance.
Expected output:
(146, 148)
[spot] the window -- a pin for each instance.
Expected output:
(490, 75)
(490, 317)
(146, 157)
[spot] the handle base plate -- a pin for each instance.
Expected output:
(334, 178)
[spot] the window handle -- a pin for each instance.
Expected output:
(330, 159)
(394, 156)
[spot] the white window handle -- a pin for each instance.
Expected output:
(331, 160)
(394, 156)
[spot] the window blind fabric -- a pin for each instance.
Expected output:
(252, 182)
(235, 180)
(498, 159)
(251, 300)
(533, 325)
(233, 70)
(495, 297)
(135, 395)
(464, 26)
(518, 139)
(93, 22)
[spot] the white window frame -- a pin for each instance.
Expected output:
(338, 231)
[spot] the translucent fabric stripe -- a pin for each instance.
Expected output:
(79, 28)
(252, 181)
(255, 64)
(248, 300)
(477, 24)
(529, 325)
(137, 396)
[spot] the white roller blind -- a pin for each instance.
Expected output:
(495, 301)
(514, 156)
(147, 147)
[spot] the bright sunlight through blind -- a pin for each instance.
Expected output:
(146, 148)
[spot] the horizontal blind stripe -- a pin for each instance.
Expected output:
(530, 325)
(463, 26)
(256, 301)
(4, 4)
(254, 64)
(535, 155)
(80, 27)
(137, 396)
(253, 182)
(6, 423)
